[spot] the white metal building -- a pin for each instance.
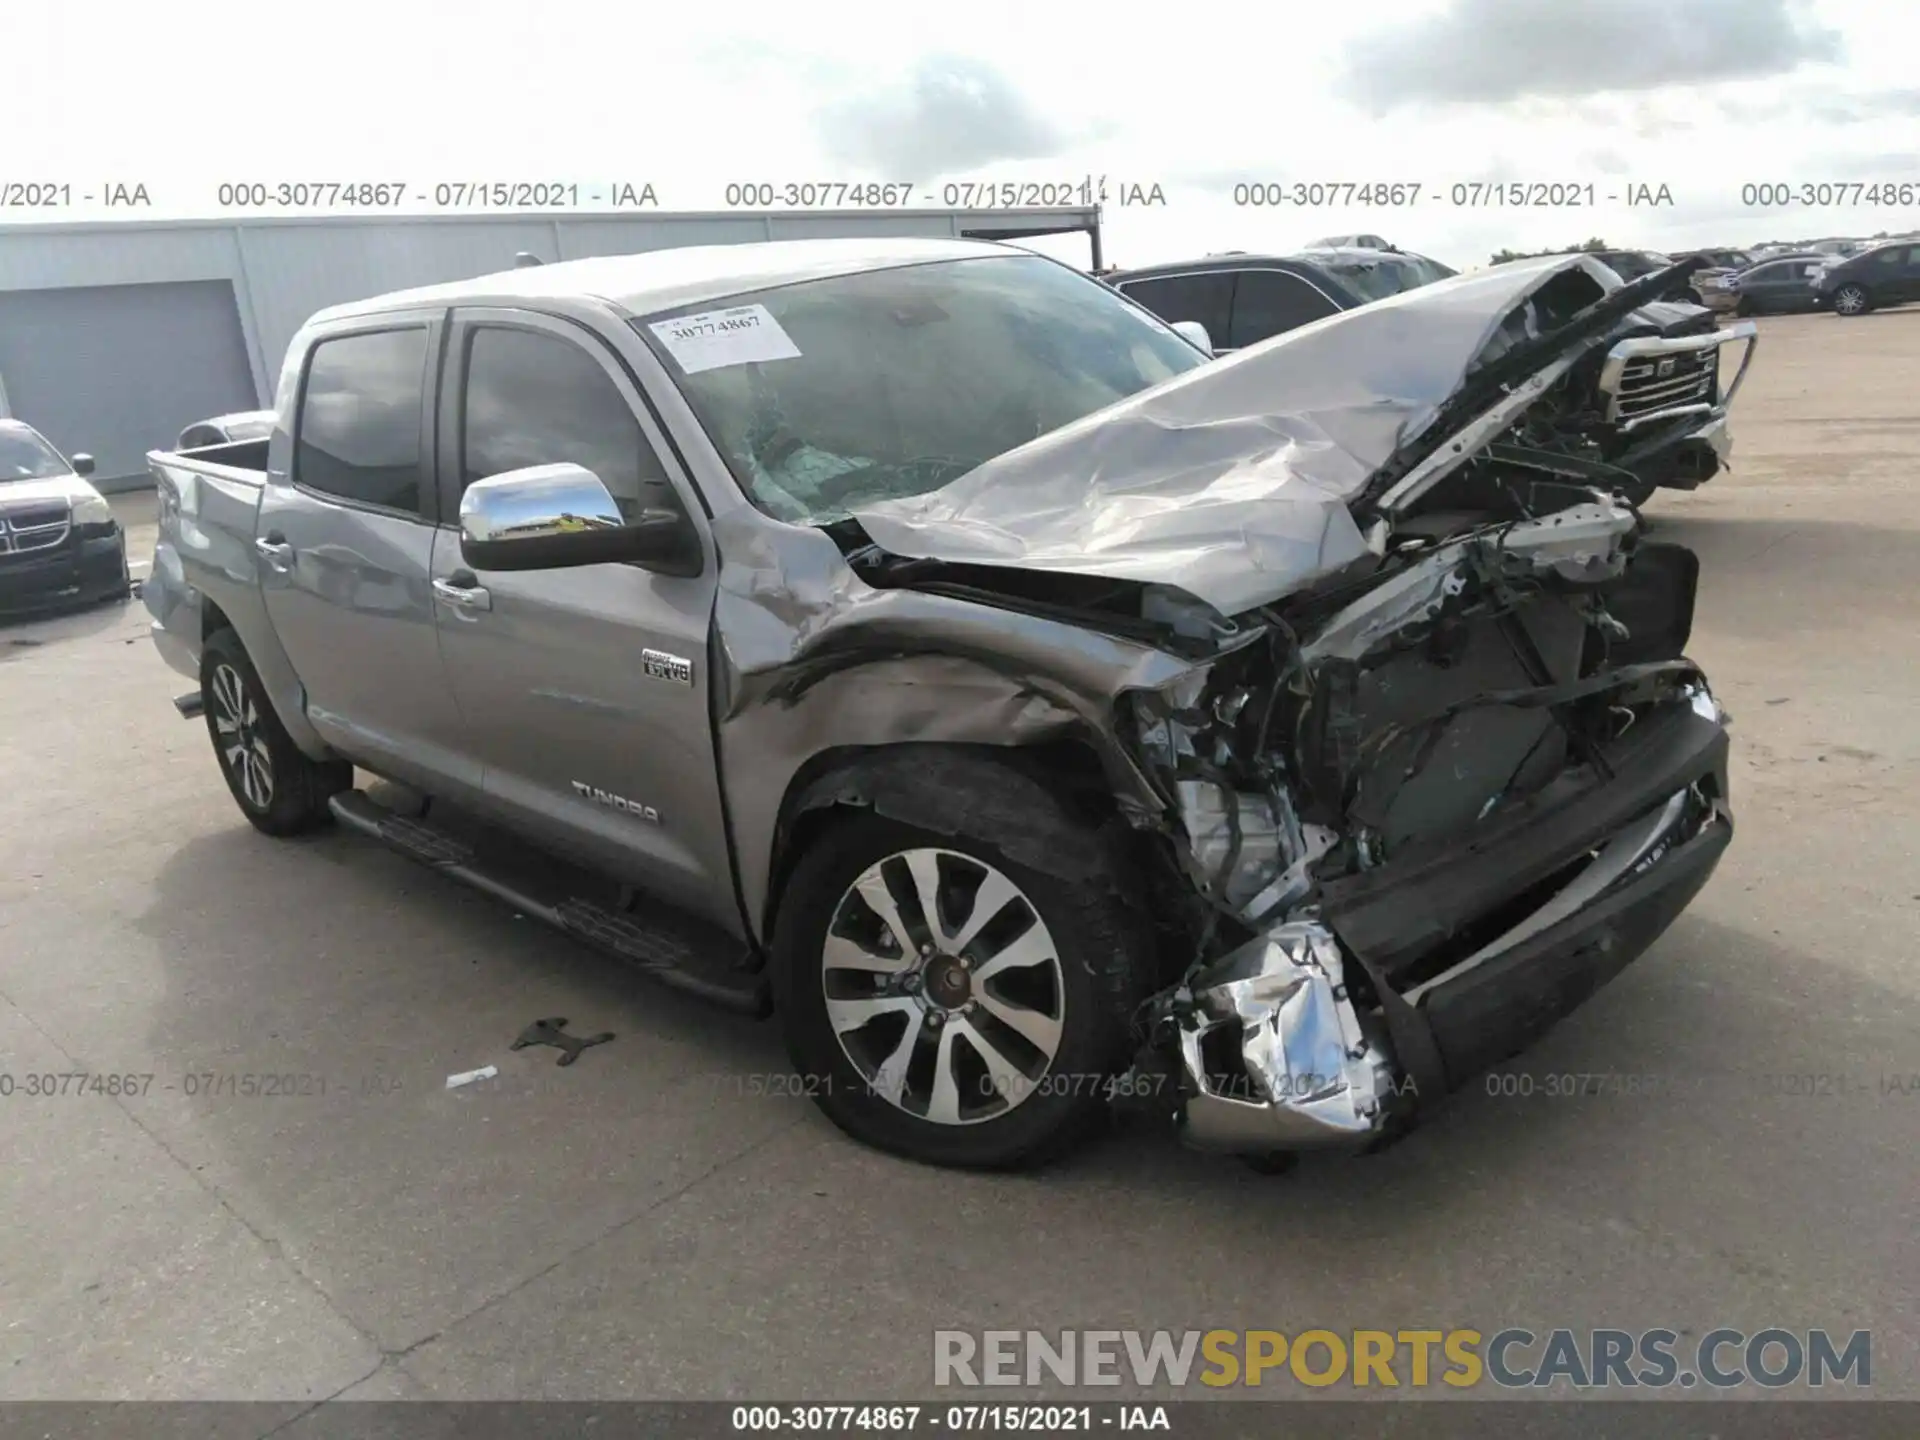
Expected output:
(115, 336)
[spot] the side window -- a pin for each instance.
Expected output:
(1268, 303)
(535, 399)
(1206, 298)
(357, 436)
(1893, 255)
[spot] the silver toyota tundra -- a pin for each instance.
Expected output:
(921, 640)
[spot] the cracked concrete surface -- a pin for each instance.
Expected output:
(649, 1223)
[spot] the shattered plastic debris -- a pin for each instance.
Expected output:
(468, 1077)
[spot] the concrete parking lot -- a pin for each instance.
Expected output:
(648, 1223)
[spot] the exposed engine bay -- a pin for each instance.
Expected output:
(1475, 682)
(1439, 768)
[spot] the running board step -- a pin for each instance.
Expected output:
(672, 951)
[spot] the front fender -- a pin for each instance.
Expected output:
(880, 719)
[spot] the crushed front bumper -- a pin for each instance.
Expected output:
(77, 572)
(1277, 1050)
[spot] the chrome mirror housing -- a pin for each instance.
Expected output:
(551, 517)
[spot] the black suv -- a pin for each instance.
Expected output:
(1888, 274)
(1243, 299)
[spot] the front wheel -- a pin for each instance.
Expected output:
(1851, 300)
(947, 1002)
(278, 788)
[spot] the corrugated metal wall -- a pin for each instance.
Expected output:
(165, 355)
(282, 271)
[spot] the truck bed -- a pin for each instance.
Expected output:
(206, 572)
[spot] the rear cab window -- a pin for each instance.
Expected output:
(359, 433)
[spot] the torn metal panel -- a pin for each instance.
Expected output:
(1273, 1052)
(808, 660)
(1232, 482)
(1583, 543)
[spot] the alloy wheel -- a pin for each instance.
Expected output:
(1850, 300)
(943, 986)
(242, 741)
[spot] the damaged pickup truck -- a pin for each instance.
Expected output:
(919, 639)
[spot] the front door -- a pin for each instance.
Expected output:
(344, 547)
(586, 689)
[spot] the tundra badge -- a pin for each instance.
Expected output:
(615, 802)
(659, 665)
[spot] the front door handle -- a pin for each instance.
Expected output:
(463, 591)
(274, 549)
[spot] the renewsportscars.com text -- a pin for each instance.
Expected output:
(1721, 1359)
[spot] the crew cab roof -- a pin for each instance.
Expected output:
(657, 280)
(1313, 259)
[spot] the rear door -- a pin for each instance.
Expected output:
(344, 547)
(1271, 302)
(1767, 287)
(587, 690)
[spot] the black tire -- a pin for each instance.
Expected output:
(297, 788)
(1744, 309)
(1070, 873)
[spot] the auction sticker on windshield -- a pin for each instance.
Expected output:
(716, 338)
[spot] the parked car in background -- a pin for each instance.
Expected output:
(923, 638)
(1886, 275)
(59, 541)
(1243, 299)
(1717, 264)
(1634, 264)
(225, 429)
(1660, 418)
(1350, 242)
(1783, 286)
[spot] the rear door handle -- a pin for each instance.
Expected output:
(463, 591)
(274, 549)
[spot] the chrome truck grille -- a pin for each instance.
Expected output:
(1656, 379)
(1660, 382)
(28, 528)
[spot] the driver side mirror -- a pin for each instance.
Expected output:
(555, 517)
(82, 464)
(1196, 333)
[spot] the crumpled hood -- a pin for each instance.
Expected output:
(39, 492)
(1232, 481)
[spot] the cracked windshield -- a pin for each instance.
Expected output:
(895, 382)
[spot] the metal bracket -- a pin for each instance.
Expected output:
(553, 1032)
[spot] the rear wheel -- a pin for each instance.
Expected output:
(1851, 300)
(279, 789)
(943, 1000)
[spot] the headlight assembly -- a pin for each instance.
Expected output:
(91, 512)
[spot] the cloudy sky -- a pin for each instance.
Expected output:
(1703, 97)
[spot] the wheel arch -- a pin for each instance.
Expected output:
(917, 783)
(280, 686)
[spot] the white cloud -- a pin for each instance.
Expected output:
(1702, 96)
